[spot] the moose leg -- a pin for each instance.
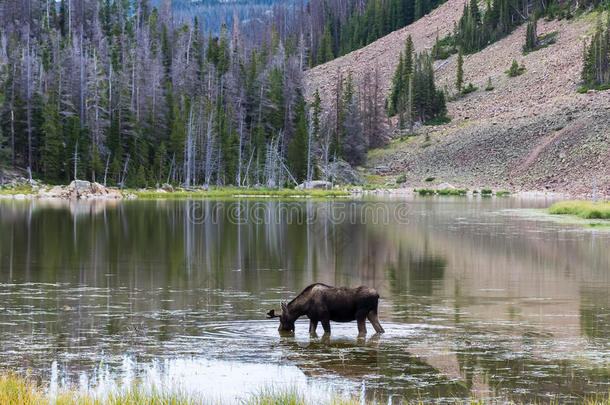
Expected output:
(361, 326)
(375, 321)
(326, 326)
(312, 326)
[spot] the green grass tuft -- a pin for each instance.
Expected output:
(582, 209)
(424, 191)
(452, 191)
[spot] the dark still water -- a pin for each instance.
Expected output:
(477, 299)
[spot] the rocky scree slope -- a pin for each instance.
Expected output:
(532, 132)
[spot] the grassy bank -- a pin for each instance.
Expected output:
(18, 189)
(231, 192)
(582, 209)
(18, 390)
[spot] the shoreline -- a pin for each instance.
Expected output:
(22, 189)
(284, 193)
(23, 390)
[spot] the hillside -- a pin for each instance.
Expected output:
(531, 132)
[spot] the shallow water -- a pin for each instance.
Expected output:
(477, 299)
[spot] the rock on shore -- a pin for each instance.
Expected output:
(81, 190)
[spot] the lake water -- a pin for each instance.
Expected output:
(477, 299)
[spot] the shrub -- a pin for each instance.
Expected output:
(515, 69)
(401, 179)
(485, 191)
(502, 193)
(429, 179)
(424, 191)
(489, 86)
(469, 89)
(452, 191)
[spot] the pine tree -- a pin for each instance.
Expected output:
(316, 107)
(224, 54)
(459, 79)
(353, 142)
(325, 49)
(297, 150)
(177, 134)
(398, 86)
(531, 37)
(5, 152)
(51, 154)
(596, 58)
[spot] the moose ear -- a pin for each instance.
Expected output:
(284, 307)
(272, 314)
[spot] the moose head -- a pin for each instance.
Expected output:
(286, 319)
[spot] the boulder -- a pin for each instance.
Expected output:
(315, 185)
(167, 187)
(80, 186)
(445, 186)
(340, 172)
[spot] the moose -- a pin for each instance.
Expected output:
(324, 303)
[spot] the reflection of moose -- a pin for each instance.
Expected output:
(323, 303)
(382, 368)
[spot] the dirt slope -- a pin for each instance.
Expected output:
(531, 132)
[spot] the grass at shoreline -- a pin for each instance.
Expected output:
(215, 192)
(19, 390)
(582, 209)
(231, 192)
(20, 189)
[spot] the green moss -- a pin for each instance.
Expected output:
(503, 193)
(582, 209)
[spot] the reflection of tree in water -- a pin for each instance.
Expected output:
(412, 279)
(387, 369)
(526, 379)
(594, 304)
